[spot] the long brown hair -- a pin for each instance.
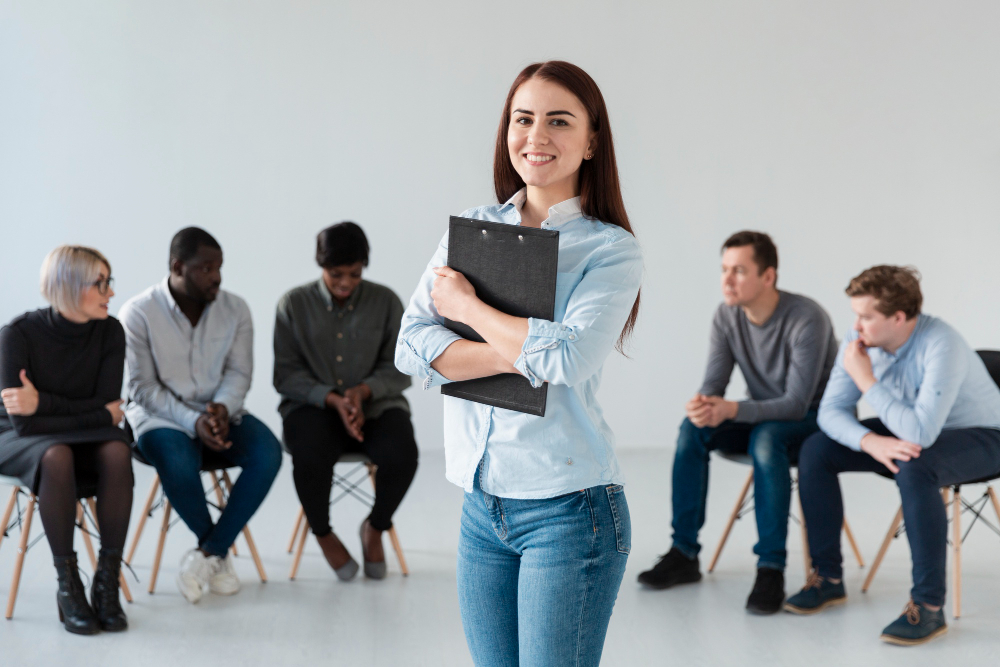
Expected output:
(600, 190)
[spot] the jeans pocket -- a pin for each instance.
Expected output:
(623, 522)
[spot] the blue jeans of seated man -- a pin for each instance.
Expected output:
(958, 456)
(177, 459)
(537, 579)
(773, 446)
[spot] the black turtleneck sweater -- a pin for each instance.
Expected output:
(77, 369)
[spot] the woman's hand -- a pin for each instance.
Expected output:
(453, 295)
(115, 408)
(23, 400)
(353, 417)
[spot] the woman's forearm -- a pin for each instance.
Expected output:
(504, 333)
(467, 360)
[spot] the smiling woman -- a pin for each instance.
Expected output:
(61, 381)
(545, 523)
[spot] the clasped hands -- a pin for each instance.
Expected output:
(212, 427)
(349, 407)
(23, 401)
(710, 411)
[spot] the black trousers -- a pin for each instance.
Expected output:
(317, 438)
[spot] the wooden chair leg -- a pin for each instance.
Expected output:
(295, 528)
(956, 545)
(82, 525)
(7, 512)
(298, 552)
(246, 535)
(854, 545)
(806, 556)
(159, 546)
(142, 518)
(732, 520)
(989, 490)
(121, 575)
(22, 549)
(399, 551)
(898, 519)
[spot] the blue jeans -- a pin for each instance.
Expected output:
(178, 458)
(773, 446)
(537, 579)
(958, 456)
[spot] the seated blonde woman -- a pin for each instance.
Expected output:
(61, 381)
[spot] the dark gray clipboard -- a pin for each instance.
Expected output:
(514, 270)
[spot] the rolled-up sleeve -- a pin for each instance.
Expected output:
(422, 334)
(573, 350)
(838, 409)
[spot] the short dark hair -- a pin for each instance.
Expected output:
(341, 244)
(894, 288)
(765, 253)
(186, 242)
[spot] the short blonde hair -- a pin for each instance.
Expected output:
(69, 270)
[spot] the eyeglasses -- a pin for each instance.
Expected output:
(104, 285)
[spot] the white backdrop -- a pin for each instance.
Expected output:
(854, 132)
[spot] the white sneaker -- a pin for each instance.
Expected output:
(222, 579)
(193, 575)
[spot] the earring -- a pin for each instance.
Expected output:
(589, 155)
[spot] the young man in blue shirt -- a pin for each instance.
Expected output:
(938, 424)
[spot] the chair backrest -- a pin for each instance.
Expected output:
(992, 360)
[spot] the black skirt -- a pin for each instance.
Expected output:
(21, 456)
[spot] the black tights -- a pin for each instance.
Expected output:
(316, 438)
(111, 463)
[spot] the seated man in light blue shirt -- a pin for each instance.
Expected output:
(189, 362)
(938, 424)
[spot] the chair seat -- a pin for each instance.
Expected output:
(743, 458)
(210, 460)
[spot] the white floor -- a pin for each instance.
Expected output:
(415, 620)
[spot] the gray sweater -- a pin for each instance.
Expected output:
(786, 362)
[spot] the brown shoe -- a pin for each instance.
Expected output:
(337, 556)
(372, 552)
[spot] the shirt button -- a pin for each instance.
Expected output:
(350, 308)
(340, 335)
(572, 336)
(340, 382)
(339, 358)
(340, 314)
(569, 462)
(329, 308)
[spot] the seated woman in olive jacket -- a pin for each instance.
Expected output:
(334, 341)
(61, 382)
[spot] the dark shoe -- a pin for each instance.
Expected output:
(817, 595)
(768, 592)
(337, 556)
(917, 625)
(672, 569)
(74, 612)
(104, 592)
(372, 551)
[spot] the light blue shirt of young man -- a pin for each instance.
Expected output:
(571, 447)
(935, 381)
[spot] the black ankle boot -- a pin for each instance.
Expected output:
(104, 592)
(74, 612)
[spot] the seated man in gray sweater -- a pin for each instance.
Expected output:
(785, 348)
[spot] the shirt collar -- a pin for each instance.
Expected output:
(909, 341)
(167, 296)
(559, 214)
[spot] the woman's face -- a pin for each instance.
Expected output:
(94, 304)
(549, 135)
(343, 280)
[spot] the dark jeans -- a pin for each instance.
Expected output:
(317, 438)
(177, 459)
(957, 456)
(773, 446)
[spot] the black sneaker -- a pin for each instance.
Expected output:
(818, 594)
(672, 569)
(768, 592)
(917, 625)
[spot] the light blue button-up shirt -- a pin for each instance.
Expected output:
(935, 381)
(571, 447)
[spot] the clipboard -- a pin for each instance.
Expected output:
(514, 270)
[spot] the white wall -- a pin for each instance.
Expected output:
(854, 132)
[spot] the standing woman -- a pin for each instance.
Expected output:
(545, 529)
(61, 381)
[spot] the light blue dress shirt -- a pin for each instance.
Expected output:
(571, 447)
(935, 381)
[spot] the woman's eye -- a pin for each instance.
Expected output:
(523, 120)
(559, 122)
